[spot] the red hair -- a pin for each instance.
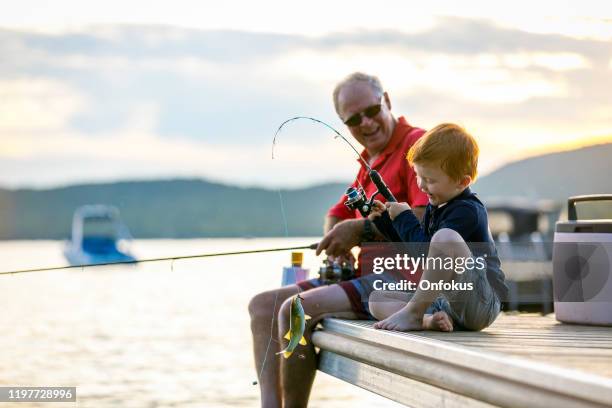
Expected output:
(450, 146)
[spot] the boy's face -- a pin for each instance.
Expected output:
(438, 186)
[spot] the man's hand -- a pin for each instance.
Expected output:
(396, 208)
(348, 258)
(341, 238)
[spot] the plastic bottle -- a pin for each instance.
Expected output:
(295, 272)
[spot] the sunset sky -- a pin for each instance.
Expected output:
(137, 90)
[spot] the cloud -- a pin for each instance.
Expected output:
(451, 35)
(35, 105)
(215, 94)
(136, 152)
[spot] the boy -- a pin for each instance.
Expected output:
(445, 161)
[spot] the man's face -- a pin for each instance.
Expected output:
(434, 182)
(372, 133)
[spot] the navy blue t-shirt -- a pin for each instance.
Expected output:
(466, 215)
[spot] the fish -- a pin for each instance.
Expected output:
(297, 326)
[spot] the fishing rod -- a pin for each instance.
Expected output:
(171, 258)
(356, 197)
(338, 135)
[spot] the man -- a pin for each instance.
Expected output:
(363, 105)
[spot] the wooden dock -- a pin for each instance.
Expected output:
(520, 361)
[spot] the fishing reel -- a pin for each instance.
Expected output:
(334, 272)
(357, 200)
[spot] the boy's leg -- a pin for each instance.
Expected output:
(383, 304)
(478, 308)
(263, 309)
(298, 371)
(444, 243)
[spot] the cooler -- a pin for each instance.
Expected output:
(582, 262)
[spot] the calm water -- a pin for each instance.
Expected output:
(154, 335)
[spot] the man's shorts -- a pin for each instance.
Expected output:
(358, 292)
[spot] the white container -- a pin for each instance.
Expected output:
(582, 269)
(293, 274)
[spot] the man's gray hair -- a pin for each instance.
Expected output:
(357, 77)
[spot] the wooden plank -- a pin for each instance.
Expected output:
(542, 338)
(485, 375)
(393, 386)
(475, 383)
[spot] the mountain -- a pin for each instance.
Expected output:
(198, 208)
(554, 176)
(170, 209)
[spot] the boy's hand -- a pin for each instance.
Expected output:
(396, 209)
(377, 209)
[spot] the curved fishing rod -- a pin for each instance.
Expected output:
(356, 197)
(171, 258)
(338, 134)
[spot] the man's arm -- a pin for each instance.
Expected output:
(329, 223)
(342, 235)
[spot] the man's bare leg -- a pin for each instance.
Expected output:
(263, 309)
(444, 243)
(298, 371)
(383, 304)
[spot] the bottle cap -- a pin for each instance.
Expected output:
(297, 258)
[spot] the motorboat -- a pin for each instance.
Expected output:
(98, 236)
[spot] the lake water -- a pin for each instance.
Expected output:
(154, 335)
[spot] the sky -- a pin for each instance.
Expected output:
(140, 90)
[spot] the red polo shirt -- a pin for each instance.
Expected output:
(394, 169)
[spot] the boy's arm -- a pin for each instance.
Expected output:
(462, 219)
(383, 222)
(409, 228)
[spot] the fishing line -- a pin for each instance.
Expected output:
(171, 258)
(263, 364)
(280, 198)
(284, 216)
(274, 142)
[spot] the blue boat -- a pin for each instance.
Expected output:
(98, 236)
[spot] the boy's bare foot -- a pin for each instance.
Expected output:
(439, 321)
(402, 320)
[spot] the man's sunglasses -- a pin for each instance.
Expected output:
(370, 112)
